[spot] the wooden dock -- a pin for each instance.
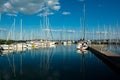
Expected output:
(108, 57)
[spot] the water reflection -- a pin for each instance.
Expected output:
(82, 51)
(60, 63)
(82, 63)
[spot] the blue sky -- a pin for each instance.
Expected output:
(64, 14)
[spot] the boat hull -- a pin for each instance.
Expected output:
(82, 46)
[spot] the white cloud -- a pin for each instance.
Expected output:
(23, 6)
(28, 6)
(7, 7)
(11, 14)
(50, 2)
(56, 8)
(66, 13)
(53, 4)
(45, 14)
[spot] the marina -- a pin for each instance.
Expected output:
(59, 40)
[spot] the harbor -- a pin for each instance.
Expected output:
(59, 40)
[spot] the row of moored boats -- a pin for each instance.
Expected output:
(28, 45)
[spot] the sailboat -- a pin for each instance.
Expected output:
(20, 46)
(9, 46)
(48, 42)
(83, 44)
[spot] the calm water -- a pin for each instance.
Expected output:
(60, 63)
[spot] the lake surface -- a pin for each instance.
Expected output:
(60, 63)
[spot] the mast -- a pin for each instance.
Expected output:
(84, 35)
(40, 29)
(81, 28)
(93, 35)
(46, 20)
(99, 33)
(47, 27)
(0, 17)
(21, 29)
(117, 32)
(105, 33)
(14, 29)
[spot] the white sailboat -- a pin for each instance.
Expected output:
(83, 44)
(48, 42)
(20, 46)
(6, 47)
(9, 46)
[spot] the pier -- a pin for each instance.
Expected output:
(110, 58)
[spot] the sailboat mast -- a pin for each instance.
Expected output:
(84, 22)
(21, 29)
(47, 27)
(14, 29)
(46, 19)
(0, 17)
(41, 29)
